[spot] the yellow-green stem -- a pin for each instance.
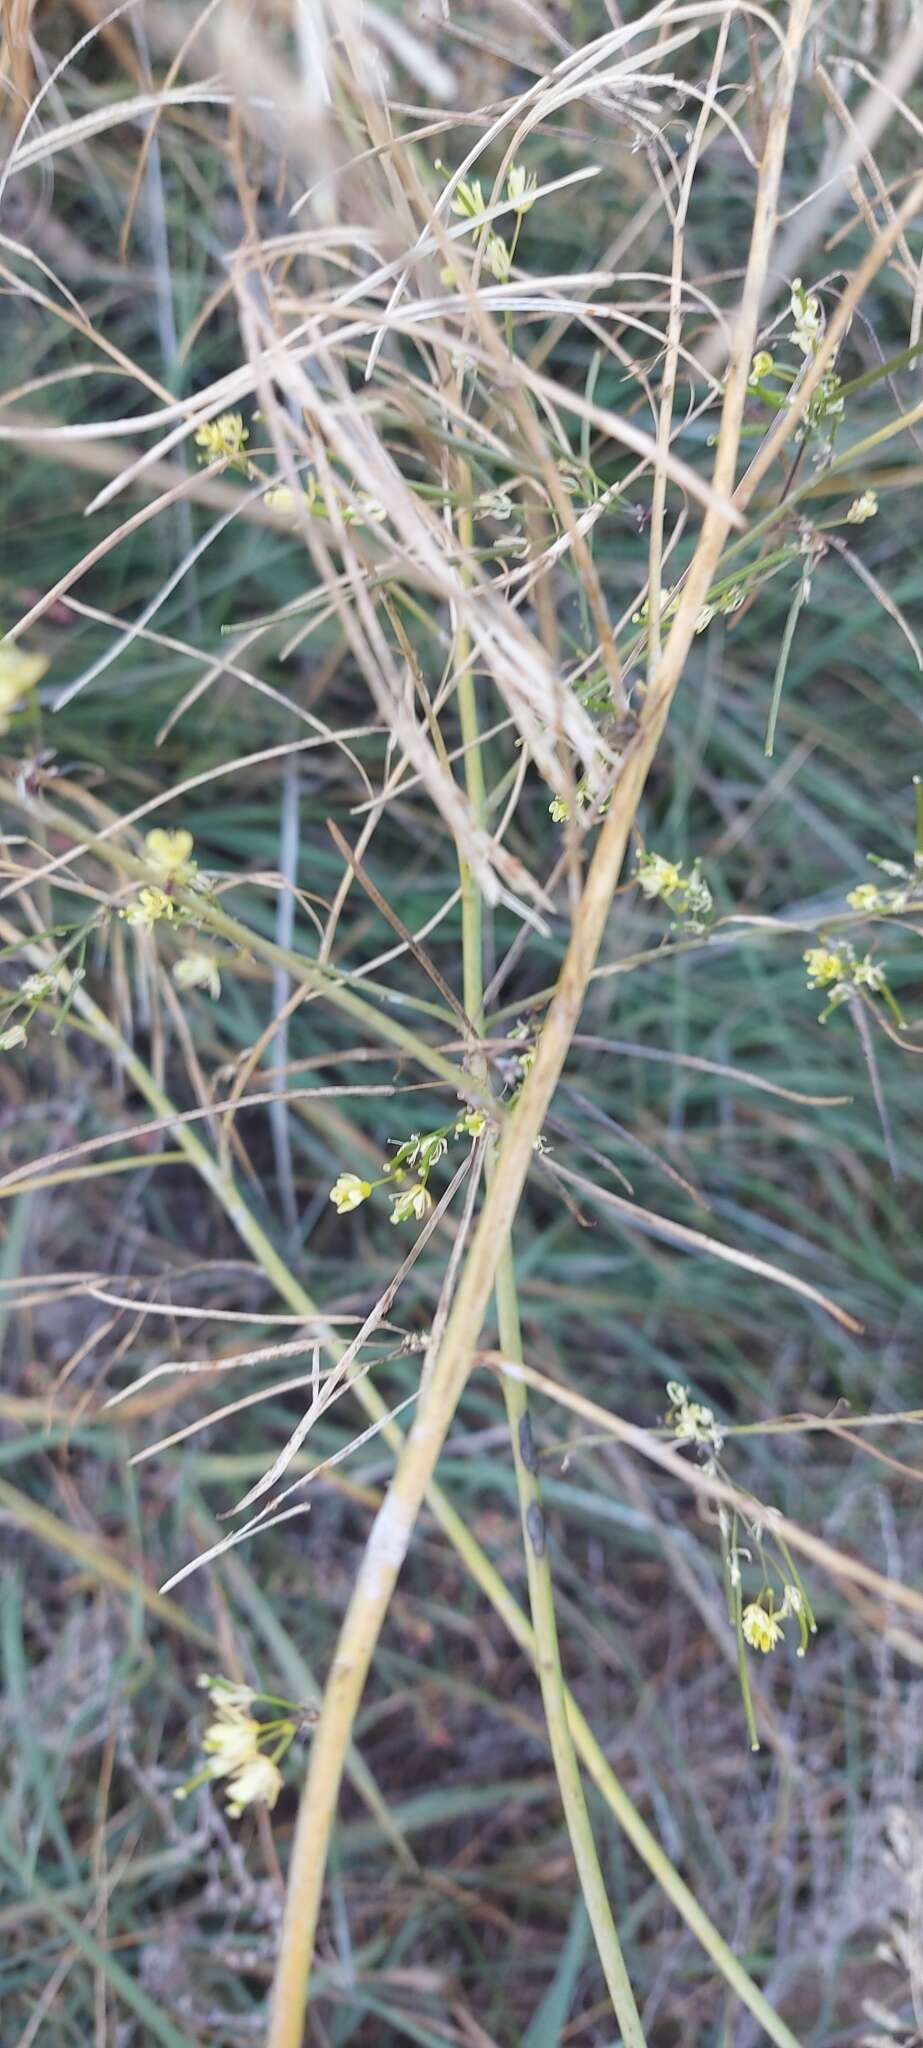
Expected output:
(538, 1568)
(550, 1675)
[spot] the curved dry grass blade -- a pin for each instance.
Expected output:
(686, 1240)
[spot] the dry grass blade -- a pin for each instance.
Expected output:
(695, 1241)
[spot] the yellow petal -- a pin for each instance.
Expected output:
(19, 673)
(169, 850)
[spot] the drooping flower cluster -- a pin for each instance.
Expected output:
(840, 972)
(837, 968)
(745, 1537)
(688, 895)
(468, 203)
(906, 892)
(242, 1749)
(761, 1620)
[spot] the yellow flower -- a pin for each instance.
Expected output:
(198, 970)
(468, 199)
(497, 258)
(226, 1697)
(231, 1742)
(168, 855)
(280, 499)
(471, 1124)
(761, 1628)
(761, 365)
(520, 187)
(259, 1782)
(866, 974)
(824, 966)
(863, 508)
(868, 896)
(19, 673)
(348, 1191)
(149, 905)
(223, 439)
(657, 876)
(415, 1201)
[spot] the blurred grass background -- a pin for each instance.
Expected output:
(125, 1918)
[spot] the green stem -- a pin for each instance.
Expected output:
(538, 1568)
(471, 905)
(550, 1674)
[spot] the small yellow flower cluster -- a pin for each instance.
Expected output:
(19, 673)
(758, 1621)
(147, 909)
(761, 1620)
(691, 1421)
(825, 966)
(867, 898)
(687, 894)
(826, 406)
(468, 203)
(224, 440)
(840, 971)
(168, 856)
(559, 808)
(417, 1156)
(234, 1747)
(761, 1626)
(471, 1124)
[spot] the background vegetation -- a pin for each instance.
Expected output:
(143, 262)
